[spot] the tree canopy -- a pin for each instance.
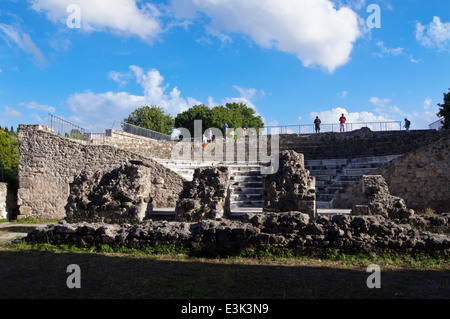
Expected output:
(153, 118)
(234, 114)
(444, 111)
(9, 158)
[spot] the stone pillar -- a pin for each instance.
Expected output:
(291, 188)
(3, 195)
(206, 196)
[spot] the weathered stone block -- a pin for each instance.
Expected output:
(375, 199)
(206, 196)
(116, 196)
(291, 188)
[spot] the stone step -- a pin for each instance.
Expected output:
(246, 173)
(247, 190)
(357, 171)
(321, 172)
(324, 197)
(326, 162)
(323, 178)
(256, 203)
(324, 204)
(246, 178)
(255, 184)
(236, 199)
(349, 178)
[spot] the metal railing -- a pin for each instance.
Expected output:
(66, 129)
(140, 131)
(325, 128)
(98, 133)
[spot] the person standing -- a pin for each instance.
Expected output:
(244, 129)
(317, 123)
(407, 124)
(225, 128)
(210, 136)
(342, 121)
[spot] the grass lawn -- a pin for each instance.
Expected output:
(41, 272)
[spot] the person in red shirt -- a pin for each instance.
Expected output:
(342, 120)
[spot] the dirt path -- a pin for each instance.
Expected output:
(11, 231)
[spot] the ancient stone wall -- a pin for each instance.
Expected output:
(420, 177)
(359, 143)
(49, 163)
(3, 195)
(143, 146)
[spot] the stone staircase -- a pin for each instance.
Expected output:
(246, 188)
(185, 168)
(335, 174)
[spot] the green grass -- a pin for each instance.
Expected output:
(333, 256)
(29, 220)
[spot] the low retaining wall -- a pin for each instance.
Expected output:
(293, 231)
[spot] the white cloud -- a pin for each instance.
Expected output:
(122, 17)
(315, 31)
(246, 93)
(332, 116)
(342, 94)
(104, 108)
(419, 114)
(383, 102)
(118, 77)
(385, 51)
(14, 34)
(434, 35)
(35, 117)
(10, 112)
(39, 107)
(427, 103)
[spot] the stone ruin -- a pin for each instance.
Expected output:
(104, 201)
(100, 201)
(373, 195)
(291, 188)
(110, 196)
(290, 231)
(206, 196)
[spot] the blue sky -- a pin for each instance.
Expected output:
(290, 60)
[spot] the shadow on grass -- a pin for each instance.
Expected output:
(37, 274)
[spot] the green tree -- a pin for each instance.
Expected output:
(9, 158)
(444, 111)
(234, 114)
(153, 118)
(197, 112)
